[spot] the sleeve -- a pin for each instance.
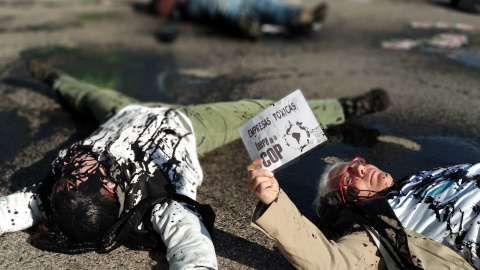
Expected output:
(300, 241)
(19, 211)
(187, 240)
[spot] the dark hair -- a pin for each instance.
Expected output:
(78, 222)
(83, 216)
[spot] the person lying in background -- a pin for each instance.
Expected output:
(246, 16)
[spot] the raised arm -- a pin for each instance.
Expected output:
(299, 240)
(19, 211)
(262, 183)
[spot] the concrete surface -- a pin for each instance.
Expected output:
(433, 122)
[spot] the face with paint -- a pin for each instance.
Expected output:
(85, 174)
(359, 180)
(83, 202)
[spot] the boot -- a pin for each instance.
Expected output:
(308, 19)
(373, 101)
(42, 72)
(250, 27)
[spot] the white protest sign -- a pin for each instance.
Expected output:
(282, 132)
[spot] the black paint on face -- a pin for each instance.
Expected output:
(85, 174)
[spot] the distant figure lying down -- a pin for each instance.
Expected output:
(245, 16)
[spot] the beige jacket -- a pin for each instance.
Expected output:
(302, 243)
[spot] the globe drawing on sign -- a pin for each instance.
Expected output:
(297, 136)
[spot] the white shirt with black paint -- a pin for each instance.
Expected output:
(145, 143)
(443, 204)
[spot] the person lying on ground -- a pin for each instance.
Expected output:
(134, 180)
(440, 203)
(246, 16)
(358, 227)
(466, 5)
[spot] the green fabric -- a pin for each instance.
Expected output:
(215, 124)
(91, 100)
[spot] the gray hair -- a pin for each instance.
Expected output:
(327, 197)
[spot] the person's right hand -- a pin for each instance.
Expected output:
(262, 182)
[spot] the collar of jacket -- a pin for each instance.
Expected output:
(378, 214)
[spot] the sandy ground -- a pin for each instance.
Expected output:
(434, 120)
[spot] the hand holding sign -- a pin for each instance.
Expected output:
(283, 132)
(262, 183)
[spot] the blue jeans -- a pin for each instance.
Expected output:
(264, 11)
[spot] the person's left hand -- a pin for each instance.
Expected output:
(262, 182)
